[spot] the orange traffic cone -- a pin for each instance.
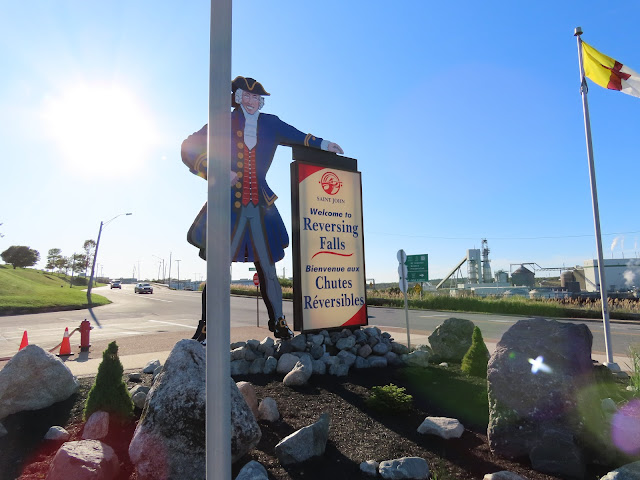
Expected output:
(25, 341)
(65, 346)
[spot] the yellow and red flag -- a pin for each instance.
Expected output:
(609, 73)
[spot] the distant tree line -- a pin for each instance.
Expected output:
(22, 256)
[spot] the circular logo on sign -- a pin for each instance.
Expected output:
(330, 183)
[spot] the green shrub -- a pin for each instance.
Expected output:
(389, 399)
(109, 392)
(476, 359)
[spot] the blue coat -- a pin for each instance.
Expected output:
(271, 132)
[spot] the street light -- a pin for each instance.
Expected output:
(178, 273)
(161, 260)
(93, 266)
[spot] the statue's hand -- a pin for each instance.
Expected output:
(334, 147)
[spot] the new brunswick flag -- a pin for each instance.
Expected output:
(609, 73)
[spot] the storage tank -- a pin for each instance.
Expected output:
(568, 281)
(523, 276)
(473, 264)
(502, 276)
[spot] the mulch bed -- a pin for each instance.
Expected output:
(357, 433)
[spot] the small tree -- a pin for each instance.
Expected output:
(52, 258)
(20, 256)
(89, 247)
(476, 359)
(109, 392)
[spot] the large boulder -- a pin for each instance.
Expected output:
(84, 460)
(306, 443)
(451, 340)
(536, 382)
(169, 441)
(34, 379)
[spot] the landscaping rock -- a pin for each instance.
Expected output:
(139, 399)
(306, 443)
(84, 460)
(451, 340)
(57, 434)
(249, 395)
(34, 379)
(418, 358)
(97, 426)
(268, 410)
(370, 467)
(405, 467)
(442, 427)
(300, 373)
(169, 441)
(151, 366)
(286, 362)
(630, 471)
(253, 471)
(503, 475)
(534, 379)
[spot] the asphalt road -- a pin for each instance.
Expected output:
(155, 320)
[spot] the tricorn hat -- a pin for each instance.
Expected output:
(248, 85)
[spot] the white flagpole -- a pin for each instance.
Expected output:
(218, 423)
(596, 213)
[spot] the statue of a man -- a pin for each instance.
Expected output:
(258, 234)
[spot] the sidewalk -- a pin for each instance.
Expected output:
(136, 352)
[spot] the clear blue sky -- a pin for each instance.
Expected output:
(465, 118)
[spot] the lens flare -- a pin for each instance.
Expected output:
(625, 428)
(538, 365)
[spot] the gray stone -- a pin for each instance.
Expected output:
(370, 467)
(299, 343)
(56, 434)
(527, 404)
(266, 345)
(451, 339)
(399, 348)
(316, 351)
(339, 370)
(97, 426)
(268, 410)
(253, 471)
(282, 348)
(239, 367)
(156, 372)
(316, 339)
(630, 471)
(319, 367)
(300, 373)
(405, 467)
(270, 365)
(306, 443)
(34, 379)
(371, 331)
(84, 460)
(380, 348)
(138, 388)
(286, 362)
(253, 344)
(377, 362)
(557, 454)
(503, 475)
(361, 363)
(442, 427)
(237, 353)
(365, 350)
(393, 359)
(250, 355)
(418, 358)
(135, 377)
(608, 405)
(330, 360)
(257, 366)
(347, 358)
(151, 366)
(139, 399)
(169, 441)
(361, 337)
(235, 345)
(346, 342)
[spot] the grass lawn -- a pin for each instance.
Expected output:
(26, 290)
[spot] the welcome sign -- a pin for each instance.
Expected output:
(328, 245)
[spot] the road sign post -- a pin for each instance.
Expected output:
(256, 282)
(404, 284)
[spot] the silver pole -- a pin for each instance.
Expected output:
(596, 213)
(218, 431)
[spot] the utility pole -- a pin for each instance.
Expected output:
(169, 283)
(178, 273)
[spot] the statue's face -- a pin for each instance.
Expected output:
(250, 102)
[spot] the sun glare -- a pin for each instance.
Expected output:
(100, 130)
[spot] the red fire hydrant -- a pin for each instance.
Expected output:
(85, 328)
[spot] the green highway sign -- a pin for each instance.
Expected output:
(417, 268)
(252, 269)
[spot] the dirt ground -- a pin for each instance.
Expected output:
(357, 433)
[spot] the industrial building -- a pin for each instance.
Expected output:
(620, 275)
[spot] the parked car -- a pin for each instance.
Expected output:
(116, 284)
(143, 288)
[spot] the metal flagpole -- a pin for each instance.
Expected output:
(596, 213)
(218, 431)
